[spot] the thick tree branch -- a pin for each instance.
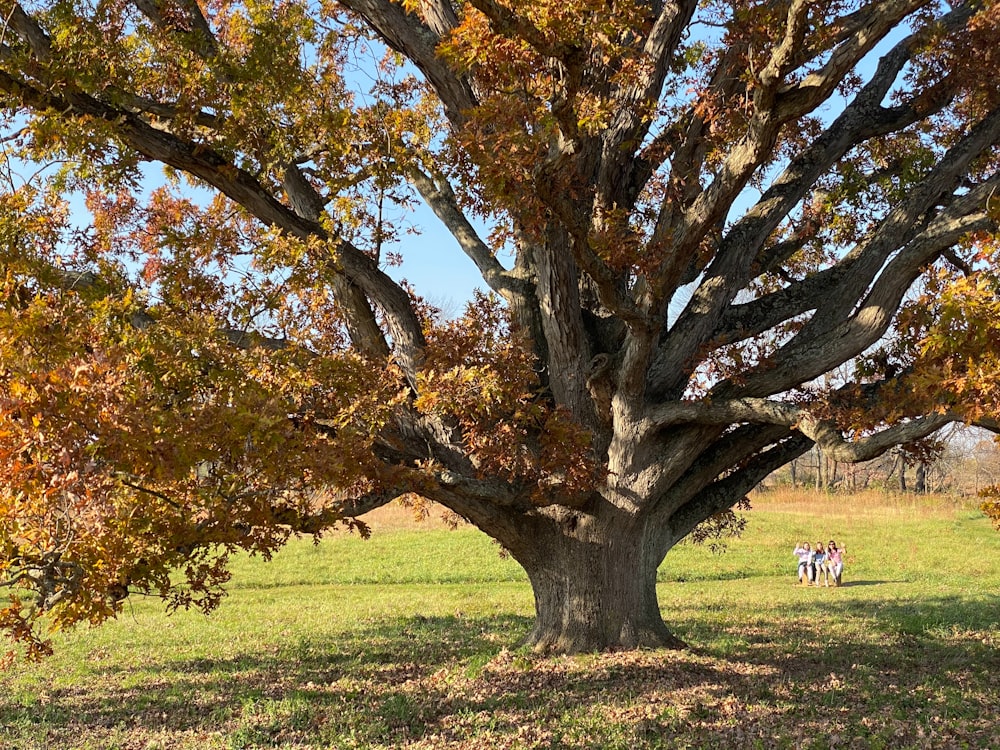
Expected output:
(361, 323)
(822, 432)
(438, 194)
(726, 491)
(500, 494)
(988, 423)
(900, 226)
(28, 29)
(561, 317)
(839, 31)
(754, 318)
(508, 23)
(323, 512)
(724, 451)
(619, 170)
(197, 28)
(407, 34)
(817, 86)
(784, 55)
(306, 202)
(687, 162)
(739, 253)
(439, 15)
(840, 328)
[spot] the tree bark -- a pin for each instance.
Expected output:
(595, 594)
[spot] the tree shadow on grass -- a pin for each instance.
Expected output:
(923, 674)
(926, 672)
(854, 584)
(351, 685)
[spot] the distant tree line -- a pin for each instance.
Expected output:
(964, 462)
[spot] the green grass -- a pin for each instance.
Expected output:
(409, 640)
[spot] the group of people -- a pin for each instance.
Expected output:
(819, 563)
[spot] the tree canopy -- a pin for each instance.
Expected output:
(717, 234)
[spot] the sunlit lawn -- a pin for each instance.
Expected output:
(410, 640)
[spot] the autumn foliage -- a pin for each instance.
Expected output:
(143, 443)
(716, 234)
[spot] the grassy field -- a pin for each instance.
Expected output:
(409, 641)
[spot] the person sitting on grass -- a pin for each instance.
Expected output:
(819, 555)
(803, 551)
(834, 564)
(822, 569)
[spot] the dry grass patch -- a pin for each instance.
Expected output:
(860, 504)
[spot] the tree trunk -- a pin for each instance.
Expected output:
(820, 479)
(595, 595)
(920, 483)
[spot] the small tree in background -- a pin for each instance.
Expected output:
(695, 209)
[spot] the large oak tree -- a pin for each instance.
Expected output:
(695, 212)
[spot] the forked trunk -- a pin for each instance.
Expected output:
(595, 595)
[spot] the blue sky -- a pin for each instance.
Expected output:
(434, 264)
